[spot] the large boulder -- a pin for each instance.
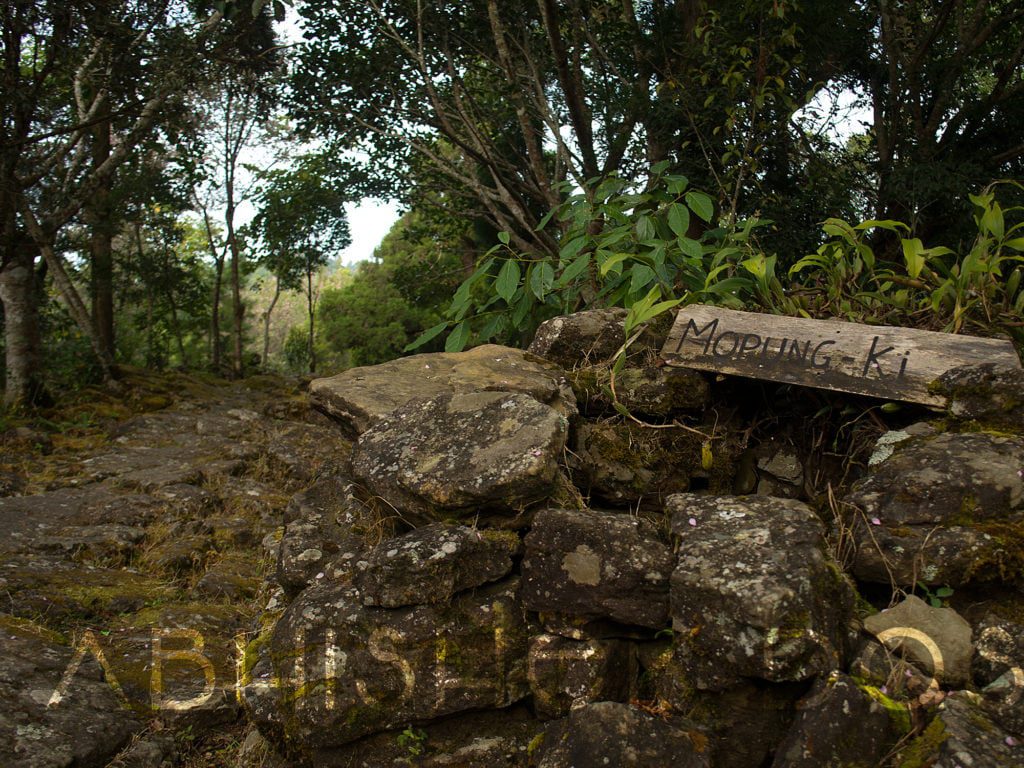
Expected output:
(592, 337)
(842, 725)
(333, 670)
(941, 509)
(433, 563)
(597, 564)
(463, 453)
(53, 715)
(358, 398)
(611, 734)
(755, 592)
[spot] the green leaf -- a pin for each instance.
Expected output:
(679, 219)
(642, 275)
(508, 280)
(523, 306)
(612, 261)
(544, 221)
(888, 224)
(541, 280)
(645, 228)
(944, 592)
(571, 248)
(503, 237)
(691, 248)
(424, 337)
(992, 220)
(494, 326)
(913, 255)
(574, 270)
(457, 339)
(701, 204)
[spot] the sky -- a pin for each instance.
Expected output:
(368, 220)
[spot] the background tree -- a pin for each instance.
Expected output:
(302, 224)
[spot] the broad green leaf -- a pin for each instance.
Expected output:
(1016, 244)
(457, 339)
(571, 248)
(645, 228)
(612, 261)
(523, 306)
(424, 337)
(888, 224)
(701, 204)
(574, 270)
(508, 280)
(541, 279)
(691, 248)
(679, 219)
(992, 220)
(642, 275)
(913, 255)
(503, 237)
(544, 221)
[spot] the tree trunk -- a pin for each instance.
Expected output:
(312, 306)
(266, 321)
(99, 215)
(236, 283)
(23, 385)
(215, 316)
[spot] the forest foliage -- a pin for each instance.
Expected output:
(174, 176)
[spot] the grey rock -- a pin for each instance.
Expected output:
(936, 639)
(597, 564)
(963, 734)
(502, 738)
(999, 649)
(591, 337)
(1003, 700)
(987, 393)
(433, 563)
(463, 452)
(942, 509)
(322, 524)
(85, 726)
(11, 483)
(360, 397)
(841, 725)
(344, 671)
(566, 673)
(608, 733)
(755, 592)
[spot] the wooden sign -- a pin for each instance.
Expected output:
(878, 360)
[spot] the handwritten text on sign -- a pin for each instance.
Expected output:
(882, 361)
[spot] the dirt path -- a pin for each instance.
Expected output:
(132, 566)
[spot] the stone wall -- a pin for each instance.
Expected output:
(529, 561)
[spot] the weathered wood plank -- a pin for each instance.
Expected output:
(878, 360)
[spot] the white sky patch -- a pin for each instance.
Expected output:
(368, 220)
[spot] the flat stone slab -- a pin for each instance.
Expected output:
(433, 563)
(597, 564)
(754, 592)
(463, 452)
(941, 509)
(358, 398)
